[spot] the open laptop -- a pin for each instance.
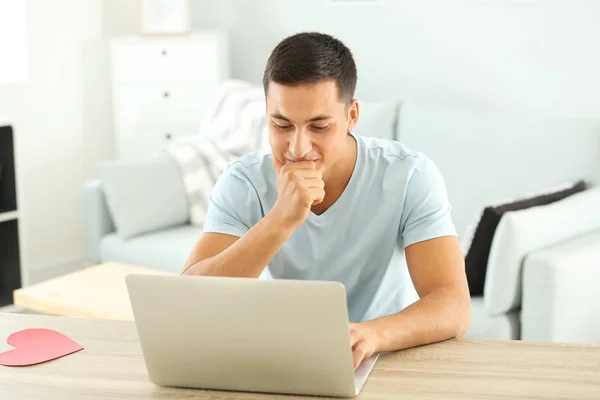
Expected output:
(270, 336)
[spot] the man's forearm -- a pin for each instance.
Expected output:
(249, 255)
(442, 314)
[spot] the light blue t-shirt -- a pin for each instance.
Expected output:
(396, 197)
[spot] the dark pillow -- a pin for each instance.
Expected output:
(477, 257)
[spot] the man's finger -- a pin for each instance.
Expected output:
(313, 183)
(353, 337)
(307, 173)
(359, 353)
(318, 195)
(303, 165)
(277, 164)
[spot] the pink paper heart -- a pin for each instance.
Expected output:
(34, 346)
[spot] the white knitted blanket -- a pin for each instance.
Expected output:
(234, 126)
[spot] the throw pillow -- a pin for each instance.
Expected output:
(476, 259)
(144, 195)
(522, 232)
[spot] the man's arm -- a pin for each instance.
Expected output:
(443, 311)
(299, 186)
(436, 265)
(225, 255)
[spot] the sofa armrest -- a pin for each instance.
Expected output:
(560, 292)
(97, 221)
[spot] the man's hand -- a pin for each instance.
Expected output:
(299, 186)
(364, 341)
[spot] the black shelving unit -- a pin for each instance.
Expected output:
(10, 260)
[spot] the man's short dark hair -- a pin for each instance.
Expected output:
(309, 57)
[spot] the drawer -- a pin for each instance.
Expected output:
(149, 61)
(169, 103)
(137, 141)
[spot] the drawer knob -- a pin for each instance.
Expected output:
(164, 52)
(166, 94)
(168, 136)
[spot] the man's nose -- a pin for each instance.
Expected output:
(300, 144)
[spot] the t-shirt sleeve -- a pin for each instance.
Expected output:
(426, 213)
(230, 204)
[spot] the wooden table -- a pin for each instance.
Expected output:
(111, 366)
(94, 292)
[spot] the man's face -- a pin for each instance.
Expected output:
(309, 122)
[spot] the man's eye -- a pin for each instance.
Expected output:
(320, 128)
(282, 127)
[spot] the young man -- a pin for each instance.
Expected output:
(326, 204)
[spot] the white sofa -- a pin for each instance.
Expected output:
(542, 274)
(484, 158)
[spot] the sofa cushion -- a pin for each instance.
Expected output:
(477, 256)
(166, 250)
(485, 326)
(144, 195)
(524, 231)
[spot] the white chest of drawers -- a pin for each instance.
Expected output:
(161, 87)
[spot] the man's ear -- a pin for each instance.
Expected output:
(353, 113)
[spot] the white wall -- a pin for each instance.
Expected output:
(534, 56)
(116, 17)
(50, 114)
(13, 41)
